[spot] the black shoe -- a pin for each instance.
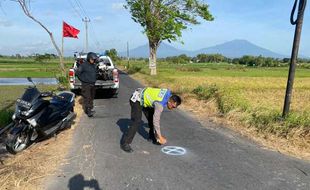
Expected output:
(90, 113)
(126, 147)
(153, 140)
(156, 143)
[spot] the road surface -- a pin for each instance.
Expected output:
(214, 159)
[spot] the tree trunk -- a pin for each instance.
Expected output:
(24, 6)
(152, 62)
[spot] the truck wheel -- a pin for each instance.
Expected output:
(114, 93)
(76, 91)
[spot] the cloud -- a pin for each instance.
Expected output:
(98, 19)
(118, 6)
(5, 23)
(49, 13)
(26, 49)
(30, 48)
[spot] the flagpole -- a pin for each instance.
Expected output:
(62, 47)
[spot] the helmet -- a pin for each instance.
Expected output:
(91, 55)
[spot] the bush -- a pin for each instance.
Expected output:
(5, 117)
(189, 69)
(134, 69)
(206, 92)
(226, 100)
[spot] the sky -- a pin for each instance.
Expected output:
(265, 23)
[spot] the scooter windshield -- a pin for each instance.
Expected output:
(30, 95)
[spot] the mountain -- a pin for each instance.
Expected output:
(164, 50)
(238, 48)
(231, 49)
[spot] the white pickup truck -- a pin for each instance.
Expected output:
(107, 75)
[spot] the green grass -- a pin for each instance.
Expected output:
(18, 68)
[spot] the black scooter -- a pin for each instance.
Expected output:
(38, 116)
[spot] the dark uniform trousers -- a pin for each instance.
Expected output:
(136, 121)
(88, 93)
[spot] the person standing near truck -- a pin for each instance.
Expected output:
(86, 73)
(152, 102)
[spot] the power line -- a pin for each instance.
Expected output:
(82, 8)
(78, 13)
(83, 14)
(97, 43)
(86, 20)
(94, 36)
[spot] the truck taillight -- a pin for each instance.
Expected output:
(115, 75)
(71, 75)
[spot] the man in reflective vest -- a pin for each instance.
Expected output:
(150, 101)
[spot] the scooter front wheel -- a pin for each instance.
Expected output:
(18, 142)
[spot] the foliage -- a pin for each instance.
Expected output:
(134, 69)
(41, 58)
(189, 69)
(181, 59)
(5, 117)
(112, 53)
(206, 92)
(165, 20)
(210, 58)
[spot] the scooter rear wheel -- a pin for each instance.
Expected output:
(18, 142)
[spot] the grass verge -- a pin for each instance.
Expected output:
(27, 169)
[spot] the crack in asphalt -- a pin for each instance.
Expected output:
(87, 153)
(302, 171)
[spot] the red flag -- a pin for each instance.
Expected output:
(69, 31)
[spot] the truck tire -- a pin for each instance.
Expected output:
(76, 91)
(114, 93)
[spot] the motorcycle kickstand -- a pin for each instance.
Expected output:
(55, 136)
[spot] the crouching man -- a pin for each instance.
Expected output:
(150, 101)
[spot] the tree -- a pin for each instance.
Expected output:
(165, 20)
(112, 53)
(25, 5)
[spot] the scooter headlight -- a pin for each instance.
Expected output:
(14, 116)
(26, 113)
(32, 122)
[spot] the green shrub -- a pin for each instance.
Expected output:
(300, 120)
(206, 92)
(134, 69)
(5, 117)
(271, 121)
(189, 69)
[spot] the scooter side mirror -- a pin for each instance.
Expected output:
(30, 80)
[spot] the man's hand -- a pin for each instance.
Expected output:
(161, 140)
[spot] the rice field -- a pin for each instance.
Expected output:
(14, 68)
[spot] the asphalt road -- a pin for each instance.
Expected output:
(214, 159)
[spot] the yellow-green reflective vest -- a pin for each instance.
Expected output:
(150, 95)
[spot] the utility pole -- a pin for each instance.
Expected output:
(298, 22)
(86, 20)
(127, 55)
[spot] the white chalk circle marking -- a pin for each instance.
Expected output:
(173, 150)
